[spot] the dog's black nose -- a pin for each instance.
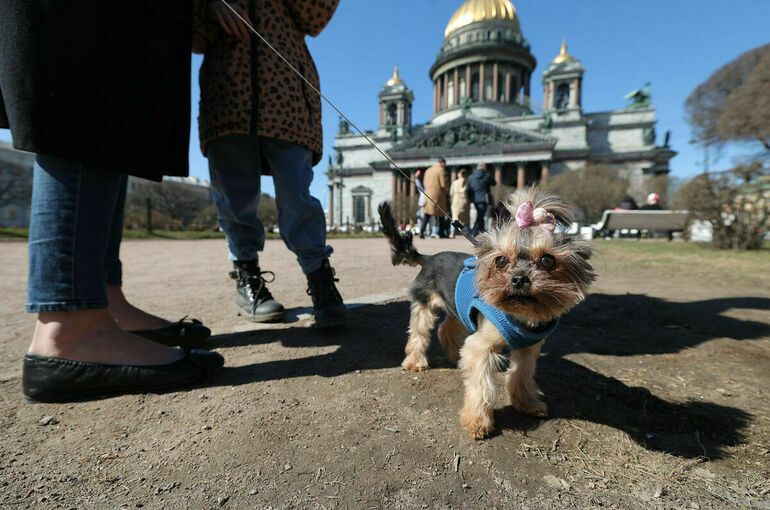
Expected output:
(520, 282)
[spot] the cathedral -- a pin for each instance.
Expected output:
(482, 113)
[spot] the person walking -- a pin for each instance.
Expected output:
(436, 188)
(478, 193)
(459, 200)
(257, 117)
(66, 97)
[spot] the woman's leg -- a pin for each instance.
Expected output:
(72, 209)
(125, 314)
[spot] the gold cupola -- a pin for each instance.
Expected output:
(474, 11)
(395, 79)
(563, 55)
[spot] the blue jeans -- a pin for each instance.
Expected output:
(76, 226)
(481, 217)
(235, 164)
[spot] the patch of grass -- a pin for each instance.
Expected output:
(13, 233)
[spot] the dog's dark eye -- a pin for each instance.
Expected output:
(547, 262)
(501, 261)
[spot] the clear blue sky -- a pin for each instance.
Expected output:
(675, 44)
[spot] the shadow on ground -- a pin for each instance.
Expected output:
(611, 325)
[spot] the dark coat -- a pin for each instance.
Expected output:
(103, 83)
(478, 187)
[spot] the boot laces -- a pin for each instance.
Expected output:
(255, 284)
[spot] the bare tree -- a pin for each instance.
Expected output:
(733, 104)
(15, 186)
(736, 203)
(592, 190)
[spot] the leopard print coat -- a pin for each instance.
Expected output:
(287, 108)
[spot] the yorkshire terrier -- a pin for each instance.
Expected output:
(499, 305)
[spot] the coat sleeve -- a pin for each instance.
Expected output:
(442, 179)
(312, 16)
(204, 27)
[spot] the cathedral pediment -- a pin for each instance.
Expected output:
(470, 135)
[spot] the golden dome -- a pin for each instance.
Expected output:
(563, 56)
(473, 11)
(395, 79)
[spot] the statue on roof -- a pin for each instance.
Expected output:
(640, 98)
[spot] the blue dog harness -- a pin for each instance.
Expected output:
(468, 301)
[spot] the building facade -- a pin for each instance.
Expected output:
(482, 113)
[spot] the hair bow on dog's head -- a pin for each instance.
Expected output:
(528, 215)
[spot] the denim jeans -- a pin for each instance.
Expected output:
(481, 218)
(235, 164)
(76, 226)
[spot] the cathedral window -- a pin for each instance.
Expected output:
(488, 84)
(450, 93)
(392, 118)
(359, 209)
(562, 96)
(461, 85)
(475, 85)
(514, 90)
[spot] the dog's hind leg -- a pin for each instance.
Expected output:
(451, 334)
(421, 322)
(520, 382)
(479, 364)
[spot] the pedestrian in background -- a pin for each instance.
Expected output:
(435, 182)
(459, 200)
(99, 93)
(478, 191)
(257, 117)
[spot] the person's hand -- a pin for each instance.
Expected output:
(227, 19)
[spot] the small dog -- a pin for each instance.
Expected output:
(501, 304)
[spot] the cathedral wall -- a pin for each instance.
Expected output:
(379, 184)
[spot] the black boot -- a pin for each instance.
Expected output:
(328, 308)
(252, 298)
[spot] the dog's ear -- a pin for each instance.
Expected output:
(562, 211)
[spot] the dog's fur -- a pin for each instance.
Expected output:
(504, 252)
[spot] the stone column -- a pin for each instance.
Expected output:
(468, 88)
(495, 84)
(394, 194)
(331, 204)
(444, 96)
(508, 98)
(481, 82)
(577, 91)
(456, 91)
(435, 96)
(545, 169)
(521, 175)
(404, 201)
(400, 114)
(412, 199)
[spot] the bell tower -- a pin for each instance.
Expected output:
(563, 82)
(396, 105)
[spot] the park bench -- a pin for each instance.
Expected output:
(639, 221)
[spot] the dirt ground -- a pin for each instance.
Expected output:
(658, 388)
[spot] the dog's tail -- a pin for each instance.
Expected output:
(401, 247)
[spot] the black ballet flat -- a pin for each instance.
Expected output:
(184, 333)
(47, 379)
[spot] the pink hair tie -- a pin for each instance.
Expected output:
(527, 215)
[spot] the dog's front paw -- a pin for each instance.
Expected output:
(415, 363)
(533, 407)
(477, 426)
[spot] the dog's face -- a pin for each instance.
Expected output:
(532, 272)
